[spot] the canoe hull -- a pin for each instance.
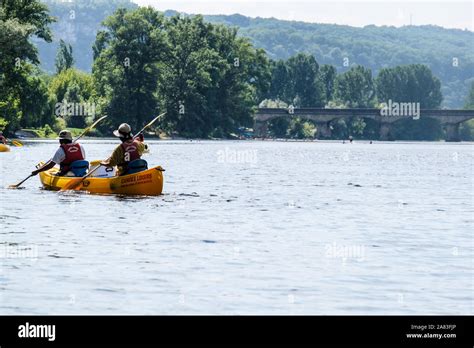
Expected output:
(4, 148)
(148, 182)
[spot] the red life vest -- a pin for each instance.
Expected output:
(130, 149)
(73, 153)
(3, 140)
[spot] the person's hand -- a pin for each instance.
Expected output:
(34, 172)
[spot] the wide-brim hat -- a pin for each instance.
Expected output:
(64, 135)
(123, 130)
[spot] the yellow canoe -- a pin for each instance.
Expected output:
(4, 148)
(148, 182)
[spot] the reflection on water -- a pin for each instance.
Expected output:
(247, 227)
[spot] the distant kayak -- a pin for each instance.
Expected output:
(148, 182)
(4, 148)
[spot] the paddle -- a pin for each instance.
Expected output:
(21, 182)
(16, 143)
(87, 130)
(149, 124)
(74, 184)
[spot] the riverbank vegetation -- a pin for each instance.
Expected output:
(206, 77)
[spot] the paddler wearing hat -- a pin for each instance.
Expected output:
(129, 150)
(67, 153)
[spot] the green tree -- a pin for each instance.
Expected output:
(301, 129)
(304, 84)
(409, 84)
(36, 101)
(125, 68)
(466, 129)
(187, 77)
(413, 83)
(242, 82)
(19, 22)
(64, 57)
(73, 94)
(279, 88)
(469, 104)
(328, 78)
(355, 87)
(211, 79)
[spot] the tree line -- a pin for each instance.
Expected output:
(208, 79)
(301, 82)
(448, 52)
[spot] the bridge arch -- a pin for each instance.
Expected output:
(450, 119)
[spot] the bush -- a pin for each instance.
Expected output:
(300, 129)
(3, 124)
(59, 124)
(48, 131)
(466, 130)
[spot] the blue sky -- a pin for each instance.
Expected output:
(448, 14)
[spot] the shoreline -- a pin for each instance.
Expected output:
(276, 140)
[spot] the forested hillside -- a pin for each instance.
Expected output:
(207, 77)
(77, 24)
(449, 53)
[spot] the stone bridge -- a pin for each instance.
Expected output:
(450, 119)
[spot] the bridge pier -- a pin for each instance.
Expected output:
(385, 130)
(323, 130)
(260, 129)
(452, 132)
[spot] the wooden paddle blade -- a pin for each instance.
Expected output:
(151, 122)
(88, 129)
(17, 143)
(21, 182)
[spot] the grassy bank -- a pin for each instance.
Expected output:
(48, 133)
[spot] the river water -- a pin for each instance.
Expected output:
(247, 227)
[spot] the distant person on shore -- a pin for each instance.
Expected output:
(3, 140)
(130, 150)
(350, 139)
(65, 156)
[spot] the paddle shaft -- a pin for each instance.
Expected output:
(149, 124)
(88, 129)
(21, 182)
(74, 184)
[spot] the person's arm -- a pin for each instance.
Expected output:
(83, 152)
(115, 158)
(58, 157)
(141, 148)
(47, 166)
